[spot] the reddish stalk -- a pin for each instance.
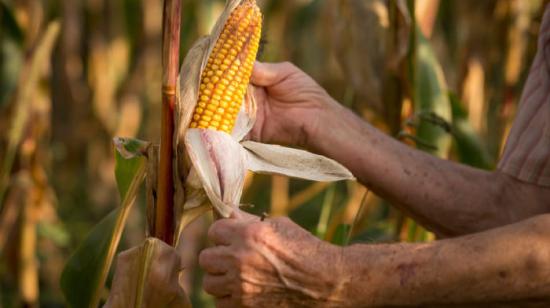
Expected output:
(164, 214)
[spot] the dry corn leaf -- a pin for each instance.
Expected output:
(148, 276)
(367, 45)
(216, 162)
(24, 96)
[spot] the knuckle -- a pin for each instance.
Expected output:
(281, 223)
(246, 295)
(238, 291)
(243, 266)
(226, 303)
(213, 230)
(207, 284)
(248, 232)
(240, 262)
(248, 289)
(254, 232)
(204, 258)
(283, 220)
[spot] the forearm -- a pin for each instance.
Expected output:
(511, 263)
(447, 197)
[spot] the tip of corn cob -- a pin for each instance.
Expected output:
(225, 78)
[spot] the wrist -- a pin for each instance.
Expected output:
(325, 120)
(380, 275)
(324, 286)
(359, 284)
(320, 282)
(336, 279)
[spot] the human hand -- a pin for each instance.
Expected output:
(271, 263)
(289, 104)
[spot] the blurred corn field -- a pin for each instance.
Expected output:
(443, 76)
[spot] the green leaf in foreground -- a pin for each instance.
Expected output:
(84, 275)
(128, 154)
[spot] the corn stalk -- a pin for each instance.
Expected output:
(164, 215)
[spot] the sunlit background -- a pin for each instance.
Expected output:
(103, 79)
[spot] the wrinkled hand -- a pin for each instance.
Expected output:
(273, 263)
(289, 103)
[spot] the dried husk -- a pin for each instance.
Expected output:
(148, 276)
(275, 159)
(220, 166)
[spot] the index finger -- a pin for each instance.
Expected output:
(269, 74)
(221, 231)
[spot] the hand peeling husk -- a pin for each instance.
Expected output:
(214, 163)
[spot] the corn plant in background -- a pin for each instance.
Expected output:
(442, 76)
(25, 194)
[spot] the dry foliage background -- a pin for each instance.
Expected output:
(103, 79)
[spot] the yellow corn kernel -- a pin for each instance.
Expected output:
(225, 79)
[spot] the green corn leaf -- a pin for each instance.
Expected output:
(430, 96)
(84, 275)
(431, 99)
(127, 150)
(468, 144)
(412, 229)
(326, 210)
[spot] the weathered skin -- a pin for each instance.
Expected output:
(276, 263)
(449, 198)
(273, 263)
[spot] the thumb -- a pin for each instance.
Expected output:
(269, 74)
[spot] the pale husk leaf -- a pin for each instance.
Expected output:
(189, 215)
(269, 158)
(185, 105)
(218, 161)
(247, 116)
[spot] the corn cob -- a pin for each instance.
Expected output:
(225, 79)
